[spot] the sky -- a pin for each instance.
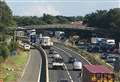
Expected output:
(60, 7)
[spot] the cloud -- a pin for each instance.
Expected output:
(39, 10)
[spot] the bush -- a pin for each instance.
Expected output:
(13, 46)
(4, 51)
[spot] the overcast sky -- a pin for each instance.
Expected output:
(60, 7)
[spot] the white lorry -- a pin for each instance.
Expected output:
(46, 42)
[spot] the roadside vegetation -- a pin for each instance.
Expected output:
(12, 59)
(12, 68)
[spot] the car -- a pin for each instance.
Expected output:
(51, 51)
(104, 55)
(63, 80)
(111, 59)
(58, 63)
(26, 47)
(71, 60)
(55, 56)
(77, 65)
(54, 52)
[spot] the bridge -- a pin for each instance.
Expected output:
(56, 27)
(67, 28)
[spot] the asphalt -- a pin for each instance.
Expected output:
(33, 67)
(68, 73)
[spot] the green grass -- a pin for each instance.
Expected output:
(10, 76)
(12, 68)
(19, 59)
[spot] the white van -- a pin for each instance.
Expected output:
(77, 65)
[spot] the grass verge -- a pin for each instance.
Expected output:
(11, 69)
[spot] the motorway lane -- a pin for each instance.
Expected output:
(75, 75)
(33, 67)
(71, 53)
(72, 76)
(56, 75)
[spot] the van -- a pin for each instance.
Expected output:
(77, 65)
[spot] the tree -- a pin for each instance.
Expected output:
(114, 19)
(6, 19)
(49, 19)
(4, 51)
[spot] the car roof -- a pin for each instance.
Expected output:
(77, 63)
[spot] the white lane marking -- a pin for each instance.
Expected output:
(65, 65)
(68, 73)
(39, 69)
(110, 65)
(86, 59)
(79, 55)
(47, 72)
(26, 64)
(63, 51)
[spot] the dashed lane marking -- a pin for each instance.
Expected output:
(78, 54)
(68, 73)
(63, 51)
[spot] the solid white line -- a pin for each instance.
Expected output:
(68, 73)
(75, 53)
(79, 55)
(87, 60)
(47, 72)
(26, 65)
(110, 65)
(65, 65)
(39, 73)
(63, 51)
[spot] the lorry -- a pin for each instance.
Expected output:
(33, 38)
(46, 42)
(59, 34)
(97, 73)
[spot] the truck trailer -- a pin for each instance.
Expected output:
(97, 73)
(46, 42)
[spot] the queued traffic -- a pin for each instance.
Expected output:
(70, 65)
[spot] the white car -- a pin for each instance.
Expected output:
(27, 47)
(55, 56)
(58, 63)
(77, 65)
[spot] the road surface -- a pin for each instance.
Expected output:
(33, 67)
(68, 73)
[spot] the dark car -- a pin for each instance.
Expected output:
(104, 55)
(72, 60)
(51, 51)
(111, 59)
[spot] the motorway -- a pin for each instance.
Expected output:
(32, 68)
(67, 73)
